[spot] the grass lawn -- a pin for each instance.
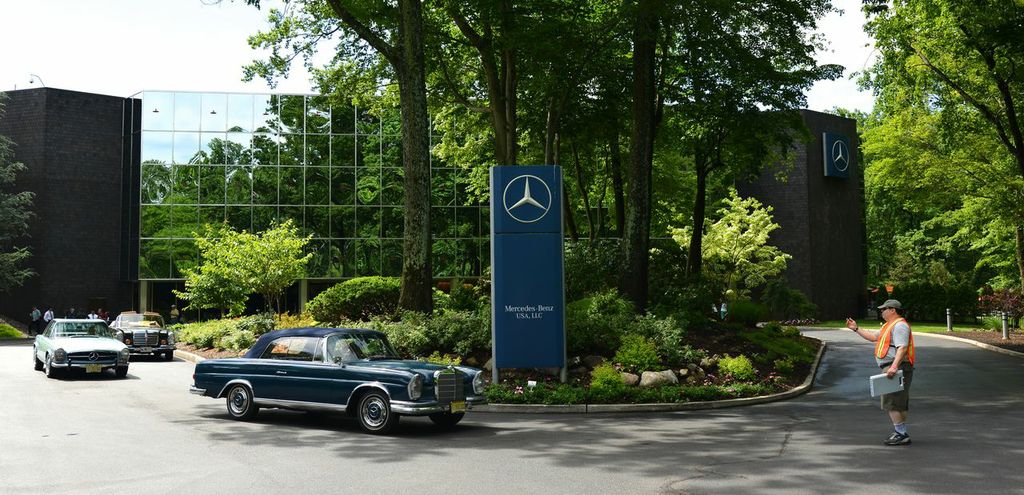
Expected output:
(925, 327)
(8, 332)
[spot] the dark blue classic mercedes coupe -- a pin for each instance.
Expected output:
(339, 369)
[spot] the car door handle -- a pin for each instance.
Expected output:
(281, 372)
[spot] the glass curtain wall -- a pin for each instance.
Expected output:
(254, 159)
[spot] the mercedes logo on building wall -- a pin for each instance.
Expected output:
(526, 205)
(840, 155)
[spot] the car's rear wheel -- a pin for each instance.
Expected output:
(48, 368)
(169, 356)
(446, 419)
(121, 371)
(37, 362)
(375, 415)
(240, 403)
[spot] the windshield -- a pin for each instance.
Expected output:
(345, 348)
(81, 329)
(142, 320)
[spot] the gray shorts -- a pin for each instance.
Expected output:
(899, 401)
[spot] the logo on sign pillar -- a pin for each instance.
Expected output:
(840, 155)
(524, 206)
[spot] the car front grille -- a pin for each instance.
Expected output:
(450, 387)
(144, 338)
(85, 357)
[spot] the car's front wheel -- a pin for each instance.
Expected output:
(240, 403)
(35, 359)
(121, 371)
(446, 419)
(375, 415)
(48, 368)
(169, 356)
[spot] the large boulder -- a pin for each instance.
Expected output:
(651, 379)
(630, 379)
(593, 361)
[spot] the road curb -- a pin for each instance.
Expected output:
(188, 356)
(661, 407)
(975, 343)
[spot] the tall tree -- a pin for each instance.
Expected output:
(394, 32)
(15, 213)
(956, 56)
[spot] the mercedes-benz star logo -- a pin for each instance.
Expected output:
(529, 207)
(93, 356)
(840, 155)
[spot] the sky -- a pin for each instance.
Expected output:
(121, 47)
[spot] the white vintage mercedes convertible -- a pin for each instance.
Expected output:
(87, 345)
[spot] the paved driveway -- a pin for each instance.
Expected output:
(146, 434)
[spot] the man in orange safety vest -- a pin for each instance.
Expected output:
(894, 351)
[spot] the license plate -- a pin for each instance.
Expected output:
(458, 406)
(93, 368)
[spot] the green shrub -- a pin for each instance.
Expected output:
(356, 299)
(776, 345)
(543, 393)
(238, 340)
(591, 267)
(460, 332)
(9, 332)
(690, 354)
(665, 333)
(785, 367)
(257, 325)
(606, 383)
(784, 303)
(595, 325)
(445, 360)
(464, 297)
(287, 320)
(408, 335)
(926, 301)
(637, 354)
(739, 367)
(206, 334)
(746, 312)
(993, 323)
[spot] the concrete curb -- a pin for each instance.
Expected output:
(663, 407)
(975, 343)
(17, 342)
(188, 356)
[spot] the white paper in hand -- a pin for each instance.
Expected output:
(881, 384)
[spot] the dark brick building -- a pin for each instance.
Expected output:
(821, 220)
(70, 143)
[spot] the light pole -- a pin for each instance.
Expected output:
(33, 79)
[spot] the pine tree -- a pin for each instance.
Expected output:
(14, 216)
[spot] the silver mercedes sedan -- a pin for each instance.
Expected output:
(87, 345)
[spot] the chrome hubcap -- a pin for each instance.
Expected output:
(239, 400)
(375, 412)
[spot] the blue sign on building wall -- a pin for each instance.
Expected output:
(528, 283)
(836, 155)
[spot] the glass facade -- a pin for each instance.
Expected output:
(253, 159)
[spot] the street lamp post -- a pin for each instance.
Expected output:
(33, 79)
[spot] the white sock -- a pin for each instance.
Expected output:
(901, 428)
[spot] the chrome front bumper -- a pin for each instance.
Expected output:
(151, 350)
(425, 408)
(196, 391)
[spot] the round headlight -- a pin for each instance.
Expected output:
(119, 335)
(416, 387)
(170, 337)
(60, 356)
(478, 383)
(123, 355)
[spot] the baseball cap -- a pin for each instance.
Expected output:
(891, 303)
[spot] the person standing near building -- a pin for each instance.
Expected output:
(47, 316)
(33, 326)
(175, 314)
(894, 351)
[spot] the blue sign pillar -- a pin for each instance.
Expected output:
(528, 282)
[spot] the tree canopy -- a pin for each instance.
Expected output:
(15, 210)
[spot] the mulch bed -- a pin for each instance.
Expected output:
(208, 353)
(1014, 343)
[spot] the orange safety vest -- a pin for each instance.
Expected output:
(885, 341)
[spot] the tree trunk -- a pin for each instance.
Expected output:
(417, 277)
(581, 183)
(615, 171)
(1019, 235)
(634, 278)
(695, 258)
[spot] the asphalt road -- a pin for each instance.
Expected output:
(147, 434)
